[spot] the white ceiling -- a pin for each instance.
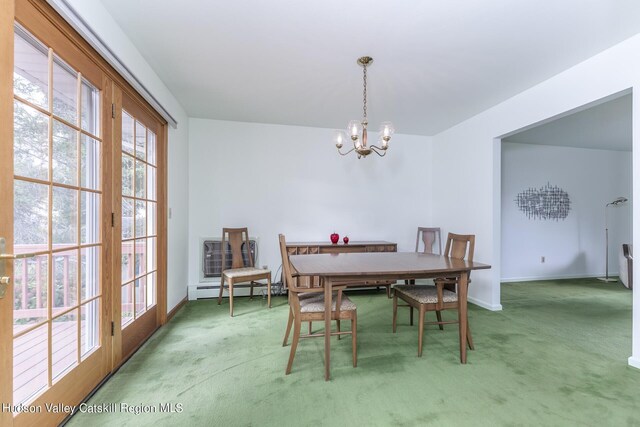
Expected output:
(436, 63)
(606, 126)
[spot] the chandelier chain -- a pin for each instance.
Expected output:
(364, 93)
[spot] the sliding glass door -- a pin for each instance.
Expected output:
(136, 138)
(82, 208)
(56, 244)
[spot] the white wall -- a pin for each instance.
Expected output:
(469, 156)
(573, 247)
(101, 22)
(289, 179)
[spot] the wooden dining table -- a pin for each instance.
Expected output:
(343, 268)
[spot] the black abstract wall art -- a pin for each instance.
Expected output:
(548, 202)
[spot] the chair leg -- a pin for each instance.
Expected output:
(338, 327)
(221, 289)
(354, 340)
(420, 331)
(286, 333)
(310, 328)
(251, 290)
(269, 291)
(395, 312)
(439, 316)
(389, 291)
(469, 337)
(231, 297)
(294, 343)
(411, 316)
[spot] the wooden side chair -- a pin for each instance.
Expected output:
(425, 243)
(306, 304)
(442, 296)
(242, 269)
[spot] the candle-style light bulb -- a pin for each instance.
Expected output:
(354, 128)
(339, 137)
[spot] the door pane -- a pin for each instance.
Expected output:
(90, 109)
(127, 304)
(141, 293)
(127, 175)
(141, 218)
(141, 141)
(151, 289)
(65, 154)
(30, 364)
(65, 217)
(65, 280)
(127, 260)
(64, 342)
(89, 162)
(30, 217)
(151, 147)
(128, 145)
(30, 142)
(140, 257)
(127, 218)
(90, 272)
(89, 327)
(89, 217)
(30, 284)
(151, 253)
(152, 209)
(65, 92)
(31, 69)
(151, 183)
(141, 179)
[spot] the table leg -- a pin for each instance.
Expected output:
(462, 310)
(327, 328)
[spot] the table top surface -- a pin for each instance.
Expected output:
(340, 243)
(383, 263)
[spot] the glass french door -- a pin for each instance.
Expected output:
(58, 350)
(136, 138)
(82, 217)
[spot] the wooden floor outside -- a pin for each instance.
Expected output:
(30, 364)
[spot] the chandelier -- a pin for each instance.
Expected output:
(357, 129)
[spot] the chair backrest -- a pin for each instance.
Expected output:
(236, 238)
(460, 246)
(428, 236)
(292, 285)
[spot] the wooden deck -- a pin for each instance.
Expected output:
(30, 354)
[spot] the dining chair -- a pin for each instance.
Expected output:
(306, 304)
(428, 237)
(442, 296)
(242, 273)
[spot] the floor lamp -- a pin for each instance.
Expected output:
(616, 202)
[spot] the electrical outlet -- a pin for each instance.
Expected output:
(542, 259)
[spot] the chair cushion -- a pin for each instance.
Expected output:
(244, 271)
(426, 294)
(313, 302)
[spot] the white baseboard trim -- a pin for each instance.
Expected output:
(568, 276)
(635, 362)
(483, 304)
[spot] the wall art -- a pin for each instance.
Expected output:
(548, 202)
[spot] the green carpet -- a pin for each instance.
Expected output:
(555, 356)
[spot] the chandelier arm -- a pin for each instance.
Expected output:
(375, 150)
(344, 154)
